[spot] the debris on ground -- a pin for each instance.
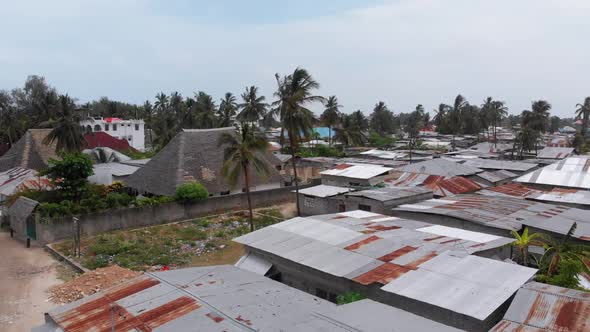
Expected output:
(89, 283)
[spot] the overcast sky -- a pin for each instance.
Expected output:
(403, 52)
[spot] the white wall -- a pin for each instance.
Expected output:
(122, 129)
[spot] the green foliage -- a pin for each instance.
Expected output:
(566, 276)
(135, 154)
(71, 174)
(191, 192)
(349, 298)
(381, 141)
(116, 200)
(204, 223)
(151, 201)
(320, 150)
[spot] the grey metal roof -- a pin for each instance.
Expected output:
(323, 190)
(227, 298)
(390, 193)
(544, 307)
(555, 195)
(22, 208)
(507, 213)
(555, 153)
(496, 176)
(499, 164)
(409, 258)
(441, 167)
(282, 157)
(357, 171)
(573, 172)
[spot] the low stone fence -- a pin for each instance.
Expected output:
(128, 218)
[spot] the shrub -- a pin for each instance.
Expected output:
(191, 192)
(349, 298)
(71, 173)
(114, 200)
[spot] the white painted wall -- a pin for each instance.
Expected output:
(131, 130)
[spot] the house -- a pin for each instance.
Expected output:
(440, 166)
(568, 130)
(355, 175)
(29, 152)
(542, 307)
(441, 186)
(322, 199)
(436, 272)
(555, 153)
(494, 178)
(382, 200)
(100, 139)
(194, 155)
(107, 173)
(20, 214)
(223, 298)
(499, 215)
(569, 197)
(133, 131)
(17, 179)
(571, 172)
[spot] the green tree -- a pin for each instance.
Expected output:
(70, 174)
(66, 132)
(554, 126)
(294, 93)
(227, 109)
(242, 151)
(498, 112)
(331, 115)
(381, 120)
(412, 126)
(191, 192)
(558, 251)
(350, 132)
(455, 121)
(583, 112)
(253, 108)
(522, 243)
(205, 110)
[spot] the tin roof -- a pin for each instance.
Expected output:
(225, 298)
(555, 195)
(323, 190)
(390, 193)
(357, 171)
(404, 257)
(499, 164)
(542, 307)
(497, 176)
(440, 185)
(440, 166)
(17, 179)
(555, 153)
(573, 172)
(384, 154)
(507, 213)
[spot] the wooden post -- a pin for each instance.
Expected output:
(28, 242)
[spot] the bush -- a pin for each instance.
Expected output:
(71, 173)
(115, 200)
(191, 192)
(349, 298)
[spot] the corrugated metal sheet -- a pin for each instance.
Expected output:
(507, 213)
(17, 179)
(441, 186)
(442, 167)
(323, 190)
(497, 176)
(371, 248)
(390, 193)
(555, 153)
(548, 308)
(556, 195)
(571, 172)
(499, 164)
(357, 171)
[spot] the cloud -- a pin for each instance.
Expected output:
(404, 52)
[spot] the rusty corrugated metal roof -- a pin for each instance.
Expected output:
(440, 185)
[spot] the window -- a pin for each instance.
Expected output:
(364, 207)
(106, 127)
(136, 126)
(308, 201)
(114, 126)
(97, 128)
(129, 138)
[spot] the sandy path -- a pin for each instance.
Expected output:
(25, 275)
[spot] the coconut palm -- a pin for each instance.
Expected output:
(161, 103)
(66, 132)
(242, 152)
(205, 110)
(522, 243)
(455, 115)
(227, 109)
(382, 120)
(349, 133)
(583, 112)
(294, 93)
(253, 108)
(331, 115)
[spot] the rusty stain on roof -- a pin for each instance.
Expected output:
(243, 320)
(361, 243)
(216, 318)
(397, 253)
(383, 227)
(342, 166)
(434, 238)
(168, 312)
(414, 265)
(382, 274)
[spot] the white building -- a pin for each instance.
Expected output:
(131, 130)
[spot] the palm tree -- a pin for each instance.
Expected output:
(205, 110)
(440, 117)
(455, 121)
(537, 118)
(349, 133)
(583, 112)
(161, 103)
(253, 109)
(382, 120)
(242, 151)
(413, 125)
(331, 115)
(499, 111)
(227, 109)
(295, 91)
(67, 131)
(522, 243)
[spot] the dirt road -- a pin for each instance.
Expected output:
(25, 275)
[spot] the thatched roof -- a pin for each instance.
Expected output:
(192, 155)
(29, 152)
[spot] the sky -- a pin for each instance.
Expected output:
(402, 52)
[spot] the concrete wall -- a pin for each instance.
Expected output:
(320, 205)
(352, 203)
(97, 223)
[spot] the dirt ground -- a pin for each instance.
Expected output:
(25, 276)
